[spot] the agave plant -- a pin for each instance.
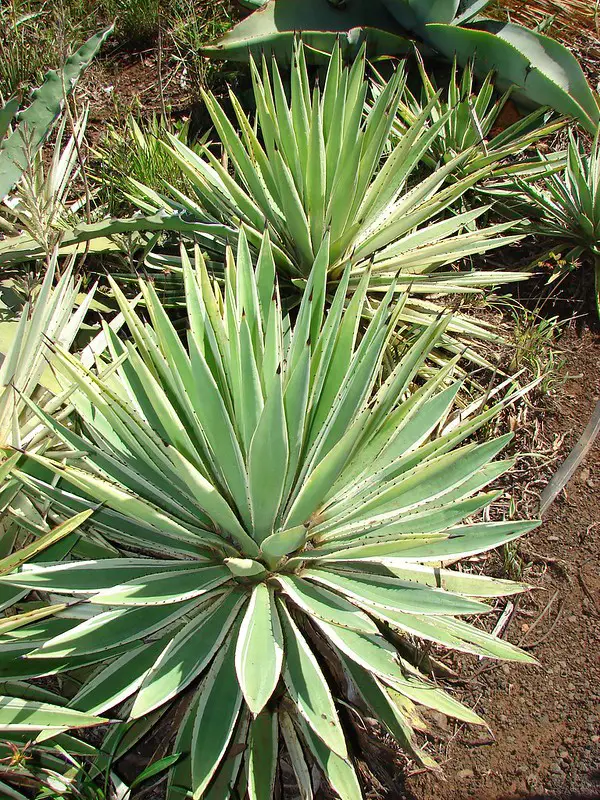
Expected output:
(543, 71)
(21, 142)
(318, 168)
(52, 313)
(41, 208)
(564, 207)
(473, 123)
(283, 514)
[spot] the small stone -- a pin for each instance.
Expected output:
(524, 627)
(584, 475)
(572, 618)
(556, 769)
(505, 669)
(465, 773)
(595, 739)
(554, 538)
(439, 719)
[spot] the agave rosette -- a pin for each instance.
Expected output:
(283, 512)
(564, 207)
(315, 163)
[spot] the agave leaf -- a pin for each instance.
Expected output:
(118, 681)
(85, 576)
(308, 688)
(7, 113)
(187, 654)
(262, 755)
(330, 607)
(216, 716)
(36, 121)
(272, 31)
(259, 649)
(282, 543)
(230, 780)
(340, 771)
(109, 629)
(376, 698)
(466, 540)
(296, 756)
(172, 587)
(17, 714)
(267, 465)
(180, 777)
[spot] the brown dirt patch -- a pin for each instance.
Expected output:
(544, 720)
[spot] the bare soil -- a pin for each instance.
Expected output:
(544, 739)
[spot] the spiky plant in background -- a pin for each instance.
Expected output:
(24, 131)
(564, 207)
(282, 515)
(473, 124)
(317, 168)
(542, 70)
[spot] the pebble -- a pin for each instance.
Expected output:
(439, 719)
(465, 773)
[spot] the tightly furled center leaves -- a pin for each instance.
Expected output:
(280, 513)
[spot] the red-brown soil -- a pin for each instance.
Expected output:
(545, 720)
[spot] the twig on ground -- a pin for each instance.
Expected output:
(586, 590)
(542, 616)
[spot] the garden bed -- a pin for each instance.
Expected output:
(544, 737)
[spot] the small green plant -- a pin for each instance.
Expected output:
(42, 205)
(65, 768)
(280, 512)
(133, 151)
(565, 208)
(534, 342)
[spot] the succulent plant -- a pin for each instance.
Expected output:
(543, 71)
(318, 164)
(281, 515)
